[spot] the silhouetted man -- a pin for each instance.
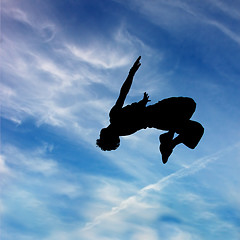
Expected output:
(171, 114)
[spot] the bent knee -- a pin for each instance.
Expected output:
(193, 133)
(191, 105)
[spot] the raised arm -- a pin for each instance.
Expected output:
(127, 84)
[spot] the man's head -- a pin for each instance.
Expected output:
(108, 141)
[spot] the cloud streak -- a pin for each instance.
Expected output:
(158, 186)
(182, 14)
(144, 205)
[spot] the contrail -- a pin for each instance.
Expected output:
(158, 186)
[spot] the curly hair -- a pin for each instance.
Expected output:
(107, 141)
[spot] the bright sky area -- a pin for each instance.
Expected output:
(62, 66)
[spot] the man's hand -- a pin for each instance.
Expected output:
(146, 98)
(135, 66)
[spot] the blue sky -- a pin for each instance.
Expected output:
(62, 65)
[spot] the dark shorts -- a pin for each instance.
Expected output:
(170, 113)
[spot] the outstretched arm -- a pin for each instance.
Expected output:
(127, 84)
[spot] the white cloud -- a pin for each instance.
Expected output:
(30, 161)
(4, 169)
(226, 30)
(182, 14)
(36, 194)
(16, 14)
(181, 235)
(105, 57)
(144, 233)
(114, 206)
(230, 9)
(40, 24)
(136, 199)
(144, 202)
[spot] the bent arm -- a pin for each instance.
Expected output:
(127, 84)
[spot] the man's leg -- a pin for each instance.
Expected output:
(166, 145)
(189, 134)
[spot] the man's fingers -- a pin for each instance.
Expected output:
(146, 97)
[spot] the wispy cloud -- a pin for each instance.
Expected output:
(30, 162)
(182, 14)
(138, 197)
(4, 169)
(152, 203)
(144, 202)
(99, 56)
(226, 30)
(16, 14)
(229, 9)
(45, 188)
(32, 187)
(120, 49)
(22, 13)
